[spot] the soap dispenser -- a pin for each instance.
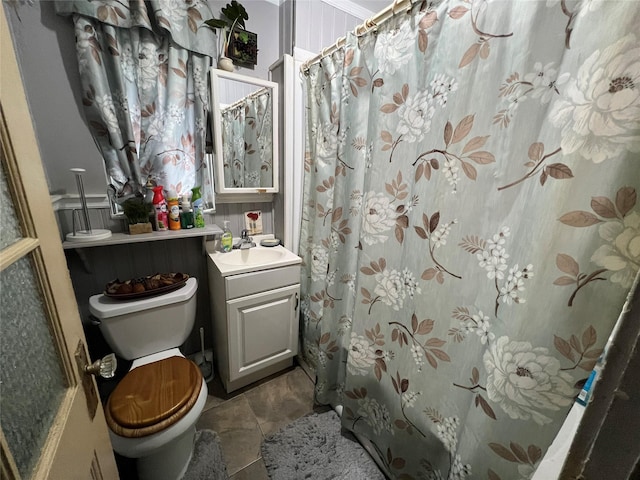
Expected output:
(186, 217)
(227, 238)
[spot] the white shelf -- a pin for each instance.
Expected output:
(125, 238)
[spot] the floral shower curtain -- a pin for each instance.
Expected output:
(471, 226)
(143, 67)
(247, 141)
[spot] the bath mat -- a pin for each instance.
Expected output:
(315, 447)
(207, 462)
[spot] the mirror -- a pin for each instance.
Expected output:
(245, 133)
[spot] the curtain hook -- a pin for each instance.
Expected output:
(395, 4)
(372, 25)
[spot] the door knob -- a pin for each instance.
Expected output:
(105, 367)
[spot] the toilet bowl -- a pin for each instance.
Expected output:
(152, 412)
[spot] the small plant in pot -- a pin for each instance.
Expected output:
(137, 213)
(232, 20)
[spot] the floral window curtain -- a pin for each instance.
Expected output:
(248, 142)
(144, 67)
(471, 226)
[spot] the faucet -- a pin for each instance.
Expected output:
(245, 241)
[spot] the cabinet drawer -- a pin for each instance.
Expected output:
(256, 282)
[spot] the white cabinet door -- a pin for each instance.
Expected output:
(263, 330)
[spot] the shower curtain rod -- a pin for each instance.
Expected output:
(238, 103)
(368, 24)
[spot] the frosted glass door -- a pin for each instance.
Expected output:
(30, 375)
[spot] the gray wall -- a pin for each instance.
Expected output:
(45, 47)
(264, 20)
(287, 26)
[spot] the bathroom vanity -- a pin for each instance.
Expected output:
(254, 296)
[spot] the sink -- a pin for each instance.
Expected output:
(251, 256)
(252, 259)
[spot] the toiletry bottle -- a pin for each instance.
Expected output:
(148, 196)
(148, 200)
(160, 205)
(186, 217)
(227, 238)
(174, 210)
(196, 202)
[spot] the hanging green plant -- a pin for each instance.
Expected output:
(233, 16)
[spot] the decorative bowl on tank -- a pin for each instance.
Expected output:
(145, 286)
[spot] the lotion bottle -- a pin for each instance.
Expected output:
(227, 238)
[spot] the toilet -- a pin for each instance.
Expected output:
(153, 410)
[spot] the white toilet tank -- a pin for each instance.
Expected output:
(136, 328)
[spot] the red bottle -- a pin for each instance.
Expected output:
(160, 204)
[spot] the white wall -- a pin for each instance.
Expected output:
(319, 24)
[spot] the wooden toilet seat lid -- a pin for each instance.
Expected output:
(152, 397)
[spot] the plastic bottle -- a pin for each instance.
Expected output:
(160, 205)
(148, 197)
(186, 217)
(148, 200)
(196, 202)
(227, 238)
(174, 210)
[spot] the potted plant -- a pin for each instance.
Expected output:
(233, 18)
(137, 213)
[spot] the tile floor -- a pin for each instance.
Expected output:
(243, 418)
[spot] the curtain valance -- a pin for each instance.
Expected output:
(143, 68)
(184, 21)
